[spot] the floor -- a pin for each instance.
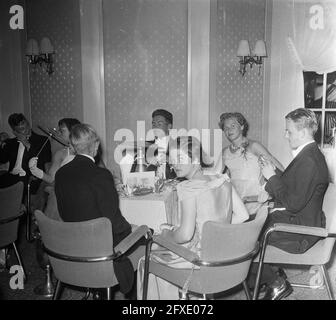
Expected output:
(36, 276)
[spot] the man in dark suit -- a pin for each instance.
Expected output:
(297, 192)
(19, 150)
(85, 191)
(157, 150)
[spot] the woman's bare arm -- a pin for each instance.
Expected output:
(258, 149)
(185, 231)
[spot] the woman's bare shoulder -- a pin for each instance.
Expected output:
(256, 147)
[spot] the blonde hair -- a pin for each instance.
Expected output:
(304, 118)
(83, 137)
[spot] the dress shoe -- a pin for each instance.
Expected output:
(281, 273)
(278, 292)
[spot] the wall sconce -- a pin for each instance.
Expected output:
(245, 56)
(41, 55)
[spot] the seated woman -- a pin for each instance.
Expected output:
(241, 159)
(200, 198)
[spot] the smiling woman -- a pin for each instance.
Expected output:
(240, 158)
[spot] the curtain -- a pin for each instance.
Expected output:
(312, 44)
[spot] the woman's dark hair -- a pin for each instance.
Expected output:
(235, 115)
(193, 148)
(68, 122)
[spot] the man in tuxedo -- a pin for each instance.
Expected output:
(157, 153)
(297, 192)
(85, 191)
(19, 150)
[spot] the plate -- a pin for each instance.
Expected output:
(142, 191)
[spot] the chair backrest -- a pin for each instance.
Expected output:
(87, 239)
(329, 208)
(10, 204)
(225, 241)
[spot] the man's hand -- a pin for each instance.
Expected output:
(267, 168)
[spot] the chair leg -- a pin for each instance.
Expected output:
(261, 263)
(57, 292)
(327, 282)
(6, 258)
(87, 294)
(109, 293)
(19, 260)
(247, 290)
(28, 222)
(146, 270)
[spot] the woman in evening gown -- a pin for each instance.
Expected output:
(241, 159)
(201, 198)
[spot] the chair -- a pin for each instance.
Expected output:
(318, 255)
(224, 262)
(81, 253)
(10, 204)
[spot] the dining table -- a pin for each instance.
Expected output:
(152, 209)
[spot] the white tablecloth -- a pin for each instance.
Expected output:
(151, 210)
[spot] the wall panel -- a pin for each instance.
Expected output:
(145, 56)
(238, 20)
(59, 95)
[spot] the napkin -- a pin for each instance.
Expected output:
(125, 166)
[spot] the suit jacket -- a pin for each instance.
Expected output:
(85, 191)
(9, 152)
(300, 189)
(152, 150)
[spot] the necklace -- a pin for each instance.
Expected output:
(242, 147)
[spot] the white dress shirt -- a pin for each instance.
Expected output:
(86, 155)
(18, 164)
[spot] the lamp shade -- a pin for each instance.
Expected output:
(46, 46)
(260, 49)
(243, 49)
(32, 48)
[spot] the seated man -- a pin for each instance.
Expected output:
(298, 194)
(157, 154)
(85, 191)
(17, 151)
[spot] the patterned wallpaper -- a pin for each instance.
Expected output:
(59, 95)
(238, 20)
(145, 56)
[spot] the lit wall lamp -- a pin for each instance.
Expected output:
(245, 56)
(41, 55)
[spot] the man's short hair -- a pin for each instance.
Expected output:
(304, 118)
(15, 119)
(83, 137)
(164, 113)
